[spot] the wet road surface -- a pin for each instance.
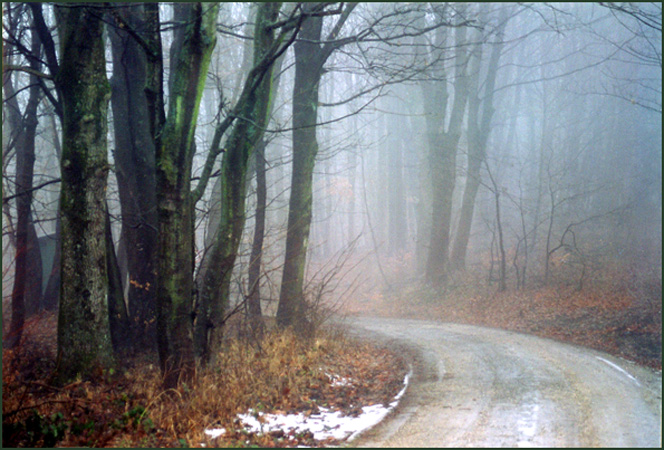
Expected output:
(481, 387)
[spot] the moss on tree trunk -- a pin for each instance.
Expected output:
(83, 331)
(248, 130)
(175, 214)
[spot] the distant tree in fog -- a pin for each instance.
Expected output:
(480, 113)
(444, 133)
(26, 293)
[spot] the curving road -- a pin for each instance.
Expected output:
(480, 387)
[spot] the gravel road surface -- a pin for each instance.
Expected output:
(481, 387)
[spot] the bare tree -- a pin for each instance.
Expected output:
(443, 142)
(310, 57)
(480, 112)
(26, 293)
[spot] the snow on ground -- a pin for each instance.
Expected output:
(323, 425)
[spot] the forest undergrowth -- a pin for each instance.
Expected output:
(127, 407)
(617, 309)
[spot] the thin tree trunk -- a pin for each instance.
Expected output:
(26, 292)
(254, 297)
(248, 130)
(499, 226)
(479, 128)
(214, 214)
(310, 57)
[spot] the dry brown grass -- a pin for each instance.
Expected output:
(127, 407)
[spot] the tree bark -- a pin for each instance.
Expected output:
(135, 170)
(83, 330)
(308, 71)
(174, 158)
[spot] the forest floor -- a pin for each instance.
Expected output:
(331, 380)
(616, 315)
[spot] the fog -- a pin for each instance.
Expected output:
(517, 145)
(573, 144)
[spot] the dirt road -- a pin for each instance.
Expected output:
(480, 387)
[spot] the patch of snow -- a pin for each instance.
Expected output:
(323, 425)
(337, 380)
(215, 432)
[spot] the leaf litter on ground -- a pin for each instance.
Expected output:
(335, 385)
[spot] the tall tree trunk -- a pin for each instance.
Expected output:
(442, 157)
(254, 297)
(214, 214)
(248, 130)
(310, 56)
(443, 169)
(480, 112)
(174, 156)
(83, 329)
(308, 70)
(135, 169)
(396, 187)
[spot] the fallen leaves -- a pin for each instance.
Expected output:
(612, 313)
(127, 408)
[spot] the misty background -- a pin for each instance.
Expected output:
(517, 145)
